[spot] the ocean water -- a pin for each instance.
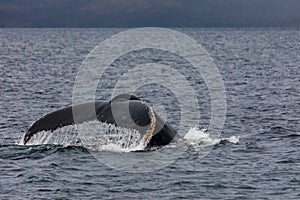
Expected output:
(255, 157)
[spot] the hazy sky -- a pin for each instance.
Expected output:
(137, 13)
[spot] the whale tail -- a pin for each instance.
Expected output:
(154, 130)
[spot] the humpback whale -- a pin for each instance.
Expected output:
(153, 129)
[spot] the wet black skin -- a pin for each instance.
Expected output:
(139, 113)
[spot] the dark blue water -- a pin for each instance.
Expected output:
(260, 70)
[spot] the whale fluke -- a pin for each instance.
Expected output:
(141, 117)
